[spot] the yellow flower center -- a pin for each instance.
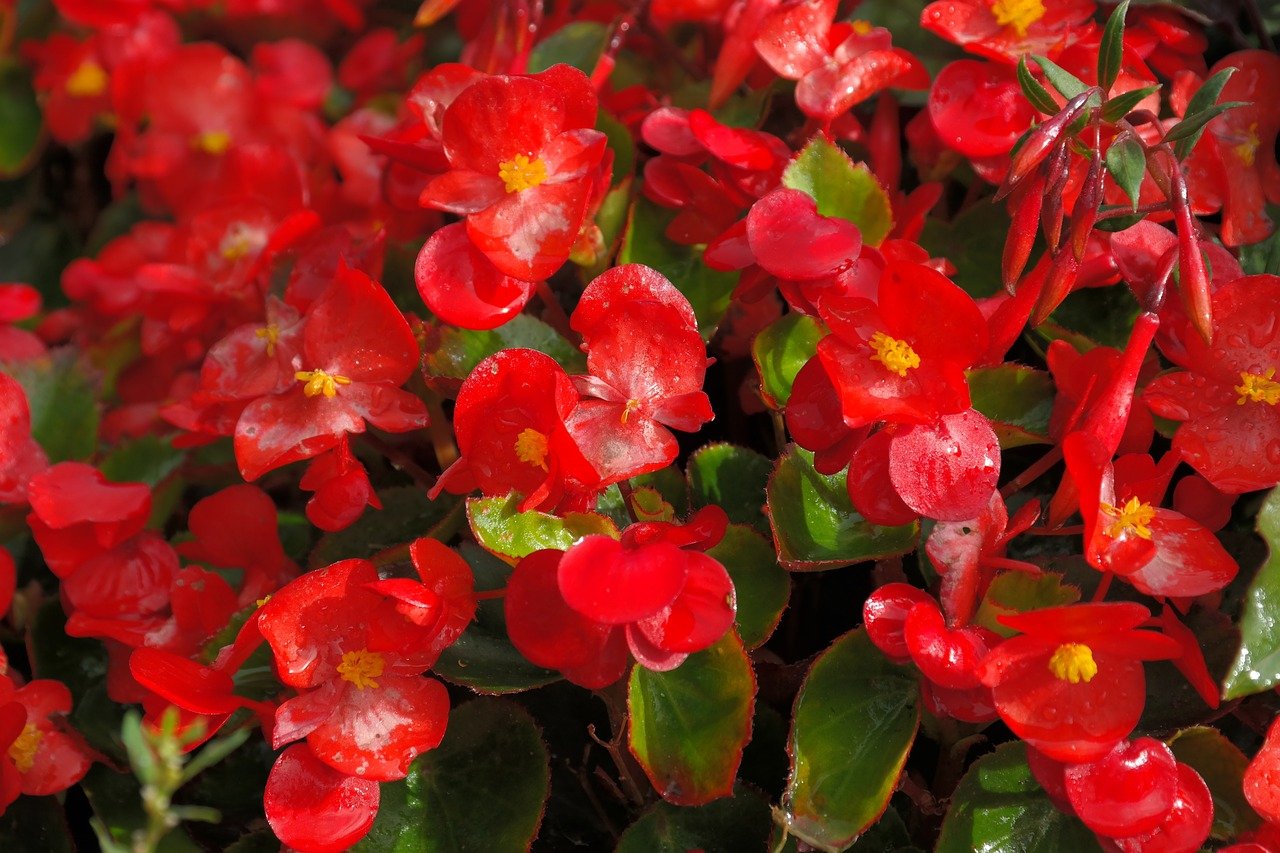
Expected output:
(361, 668)
(521, 173)
(1247, 149)
(896, 355)
(531, 447)
(1258, 388)
(629, 409)
(270, 334)
(1073, 662)
(23, 749)
(318, 382)
(1134, 517)
(1018, 14)
(87, 81)
(242, 240)
(214, 142)
(861, 27)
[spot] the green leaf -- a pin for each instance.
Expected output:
(1067, 84)
(762, 586)
(1037, 94)
(855, 720)
(1104, 315)
(64, 404)
(1221, 764)
(731, 825)
(621, 143)
(689, 726)
(482, 789)
(733, 478)
(1257, 664)
(20, 120)
(579, 44)
(816, 527)
(1018, 592)
(1121, 105)
(1263, 257)
(407, 514)
(841, 188)
(645, 242)
(1186, 133)
(1018, 400)
(780, 350)
(974, 241)
(39, 825)
(1000, 808)
(452, 353)
(146, 460)
(1207, 95)
(483, 657)
(37, 252)
(502, 529)
(1111, 50)
(1126, 160)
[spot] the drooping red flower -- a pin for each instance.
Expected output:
(1185, 826)
(77, 515)
(313, 808)
(461, 285)
(48, 755)
(342, 488)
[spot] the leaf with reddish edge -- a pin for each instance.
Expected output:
(1257, 664)
(791, 240)
(761, 587)
(732, 478)
(1018, 592)
(854, 723)
(946, 470)
(1018, 401)
(503, 530)
(689, 726)
(461, 285)
(780, 351)
(841, 188)
(737, 823)
(606, 582)
(314, 808)
(1228, 773)
(815, 526)
(999, 806)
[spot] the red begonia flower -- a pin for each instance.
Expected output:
(948, 469)
(13, 718)
(48, 756)
(1126, 792)
(1185, 826)
(947, 658)
(461, 285)
(870, 483)
(444, 602)
(815, 421)
(1005, 30)
(1260, 787)
(884, 615)
(76, 514)
(1072, 684)
(236, 528)
(315, 809)
(978, 109)
(788, 238)
(21, 458)
(8, 580)
(342, 489)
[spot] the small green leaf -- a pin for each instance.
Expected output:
(815, 526)
(483, 657)
(64, 404)
(1257, 664)
(1018, 400)
(1127, 162)
(1221, 764)
(1111, 50)
(1186, 133)
(841, 188)
(20, 120)
(973, 241)
(731, 825)
(146, 460)
(1121, 105)
(503, 530)
(1067, 84)
(733, 478)
(780, 350)
(1000, 808)
(407, 514)
(1037, 94)
(483, 789)
(1207, 95)
(855, 721)
(1018, 592)
(452, 353)
(579, 44)
(689, 725)
(762, 586)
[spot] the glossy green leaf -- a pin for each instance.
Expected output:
(452, 353)
(736, 824)
(1111, 50)
(841, 188)
(1067, 84)
(20, 120)
(1257, 664)
(483, 657)
(64, 404)
(780, 350)
(1104, 315)
(1186, 133)
(733, 478)
(816, 527)
(1221, 764)
(1034, 92)
(1000, 808)
(1018, 400)
(1121, 105)
(483, 789)
(407, 514)
(689, 726)
(1126, 160)
(502, 529)
(579, 44)
(762, 586)
(1018, 592)
(645, 242)
(622, 145)
(974, 242)
(855, 720)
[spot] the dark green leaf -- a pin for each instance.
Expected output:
(841, 188)
(1017, 399)
(1067, 84)
(36, 253)
(1111, 50)
(780, 350)
(815, 526)
(1103, 315)
(1000, 808)
(733, 478)
(974, 241)
(578, 44)
(20, 120)
(1257, 664)
(1186, 133)
(1172, 702)
(483, 657)
(117, 806)
(739, 824)
(453, 353)
(1122, 104)
(407, 514)
(502, 529)
(689, 726)
(1127, 162)
(855, 721)
(1033, 91)
(1207, 95)
(146, 460)
(762, 586)
(1221, 764)
(620, 142)
(64, 405)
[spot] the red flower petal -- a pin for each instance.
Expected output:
(700, 615)
(315, 809)
(461, 285)
(355, 330)
(607, 583)
(790, 239)
(1127, 792)
(978, 108)
(946, 470)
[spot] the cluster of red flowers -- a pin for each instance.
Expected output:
(325, 248)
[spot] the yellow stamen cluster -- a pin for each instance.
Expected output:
(1073, 662)
(1247, 149)
(896, 355)
(521, 173)
(1133, 517)
(531, 448)
(629, 409)
(361, 668)
(861, 27)
(270, 334)
(87, 81)
(318, 382)
(214, 142)
(23, 749)
(1258, 388)
(1017, 14)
